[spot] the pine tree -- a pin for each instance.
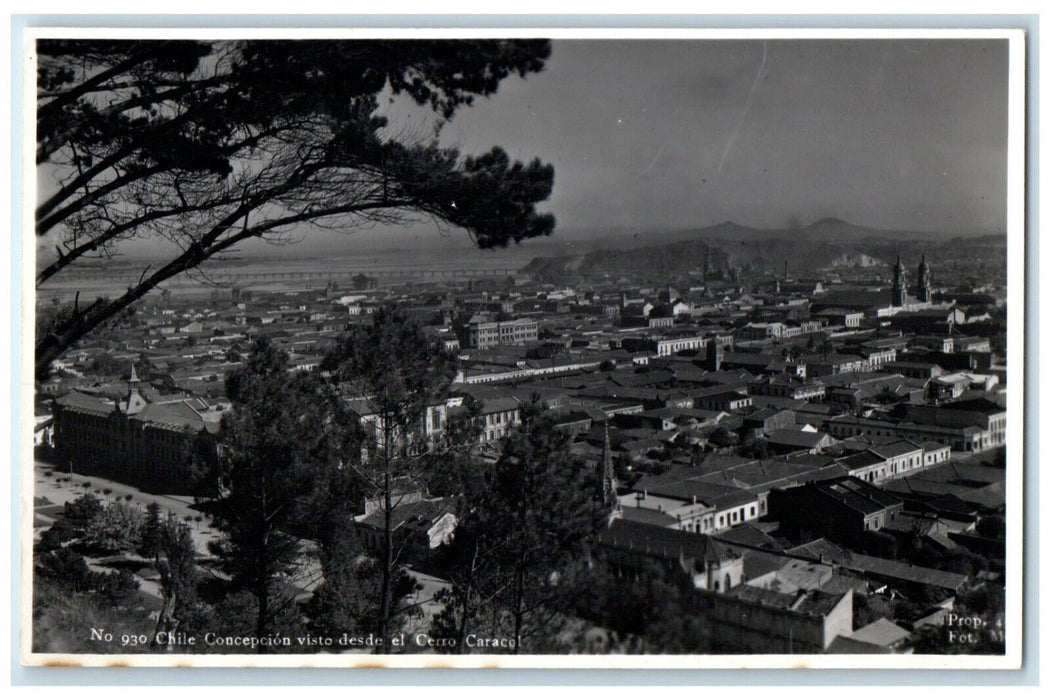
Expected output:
(394, 373)
(209, 144)
(523, 538)
(275, 441)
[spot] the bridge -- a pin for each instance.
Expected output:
(376, 272)
(229, 276)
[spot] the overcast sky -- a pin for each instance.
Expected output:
(658, 135)
(892, 134)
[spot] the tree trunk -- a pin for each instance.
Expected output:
(384, 600)
(262, 593)
(519, 613)
(465, 612)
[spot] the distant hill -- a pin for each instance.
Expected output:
(730, 246)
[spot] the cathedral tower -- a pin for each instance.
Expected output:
(924, 281)
(898, 284)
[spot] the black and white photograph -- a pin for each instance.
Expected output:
(523, 348)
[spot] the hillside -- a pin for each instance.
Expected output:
(828, 243)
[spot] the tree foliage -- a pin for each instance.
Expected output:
(82, 511)
(395, 376)
(176, 561)
(522, 539)
(207, 144)
(115, 528)
(276, 438)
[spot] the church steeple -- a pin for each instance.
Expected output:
(134, 401)
(898, 284)
(924, 281)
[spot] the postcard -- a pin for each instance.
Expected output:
(523, 348)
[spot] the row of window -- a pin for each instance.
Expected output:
(725, 519)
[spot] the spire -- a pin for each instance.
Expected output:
(134, 401)
(898, 284)
(924, 292)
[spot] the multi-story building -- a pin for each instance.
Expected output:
(975, 425)
(788, 386)
(737, 616)
(499, 417)
(153, 444)
(490, 334)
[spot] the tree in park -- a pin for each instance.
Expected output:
(181, 609)
(152, 533)
(275, 440)
(117, 527)
(204, 145)
(81, 512)
(396, 376)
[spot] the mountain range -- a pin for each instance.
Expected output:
(730, 246)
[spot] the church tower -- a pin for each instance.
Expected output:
(898, 284)
(924, 281)
(134, 402)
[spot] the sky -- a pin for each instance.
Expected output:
(892, 134)
(662, 135)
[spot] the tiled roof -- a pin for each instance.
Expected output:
(895, 449)
(664, 542)
(881, 632)
(422, 512)
(720, 496)
(83, 402)
(647, 516)
(796, 438)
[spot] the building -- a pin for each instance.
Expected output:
(787, 386)
(633, 547)
(694, 504)
(499, 417)
(842, 509)
(482, 334)
(788, 440)
(987, 416)
(153, 444)
(753, 620)
(418, 526)
(924, 294)
(723, 401)
(738, 616)
(884, 461)
(899, 283)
